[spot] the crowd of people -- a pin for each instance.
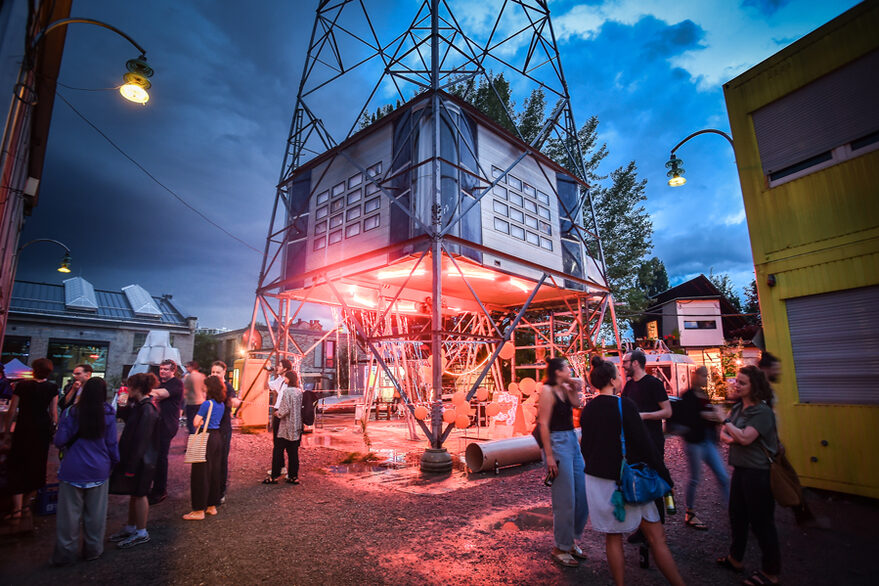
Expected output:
(622, 423)
(95, 461)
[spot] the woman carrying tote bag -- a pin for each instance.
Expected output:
(206, 478)
(602, 422)
(289, 415)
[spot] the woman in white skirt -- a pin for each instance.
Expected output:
(602, 451)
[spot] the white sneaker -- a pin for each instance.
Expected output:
(135, 539)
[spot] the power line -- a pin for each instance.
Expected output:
(153, 177)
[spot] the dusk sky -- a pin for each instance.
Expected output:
(224, 91)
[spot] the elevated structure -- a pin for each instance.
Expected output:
(435, 231)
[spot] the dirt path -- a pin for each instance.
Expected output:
(337, 528)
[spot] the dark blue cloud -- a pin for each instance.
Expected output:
(765, 7)
(675, 39)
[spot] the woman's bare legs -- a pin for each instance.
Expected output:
(613, 547)
(661, 554)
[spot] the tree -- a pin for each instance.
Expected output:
(752, 304)
(652, 277)
(495, 102)
(724, 284)
(530, 120)
(204, 350)
(626, 236)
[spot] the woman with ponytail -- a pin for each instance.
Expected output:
(601, 422)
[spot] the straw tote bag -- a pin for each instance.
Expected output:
(197, 444)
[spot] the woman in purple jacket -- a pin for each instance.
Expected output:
(86, 438)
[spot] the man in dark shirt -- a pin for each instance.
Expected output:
(168, 398)
(218, 369)
(648, 394)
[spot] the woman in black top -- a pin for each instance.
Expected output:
(37, 404)
(138, 454)
(602, 450)
(564, 462)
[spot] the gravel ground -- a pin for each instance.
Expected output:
(338, 528)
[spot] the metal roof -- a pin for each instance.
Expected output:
(46, 300)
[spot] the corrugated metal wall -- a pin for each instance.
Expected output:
(814, 235)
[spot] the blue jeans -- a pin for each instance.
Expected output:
(569, 508)
(697, 453)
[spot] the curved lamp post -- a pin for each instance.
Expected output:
(674, 165)
(136, 79)
(65, 261)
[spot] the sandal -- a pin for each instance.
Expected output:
(691, 520)
(725, 562)
(270, 480)
(565, 559)
(758, 578)
(577, 552)
(292, 480)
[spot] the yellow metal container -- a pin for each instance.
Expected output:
(815, 233)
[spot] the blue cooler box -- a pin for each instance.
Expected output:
(47, 500)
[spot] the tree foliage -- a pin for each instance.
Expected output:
(752, 304)
(724, 284)
(652, 277)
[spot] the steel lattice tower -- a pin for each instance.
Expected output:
(347, 55)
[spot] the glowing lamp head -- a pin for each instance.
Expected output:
(675, 172)
(136, 81)
(65, 264)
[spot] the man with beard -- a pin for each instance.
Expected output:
(168, 398)
(648, 394)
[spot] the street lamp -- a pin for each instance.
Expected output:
(136, 79)
(65, 262)
(675, 170)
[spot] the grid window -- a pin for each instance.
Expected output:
(335, 237)
(323, 197)
(339, 189)
(542, 198)
(335, 221)
(517, 232)
(500, 208)
(337, 205)
(372, 188)
(321, 212)
(352, 214)
(528, 190)
(546, 228)
(501, 225)
(370, 223)
(495, 172)
(352, 230)
(375, 169)
(545, 243)
(544, 213)
(531, 222)
(320, 227)
(516, 199)
(355, 181)
(530, 206)
(499, 191)
(517, 215)
(354, 196)
(533, 238)
(515, 183)
(371, 205)
(320, 242)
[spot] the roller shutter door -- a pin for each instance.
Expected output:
(835, 343)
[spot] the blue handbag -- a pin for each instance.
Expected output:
(639, 483)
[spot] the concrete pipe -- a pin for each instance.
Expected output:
(501, 453)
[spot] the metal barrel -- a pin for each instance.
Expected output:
(501, 453)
